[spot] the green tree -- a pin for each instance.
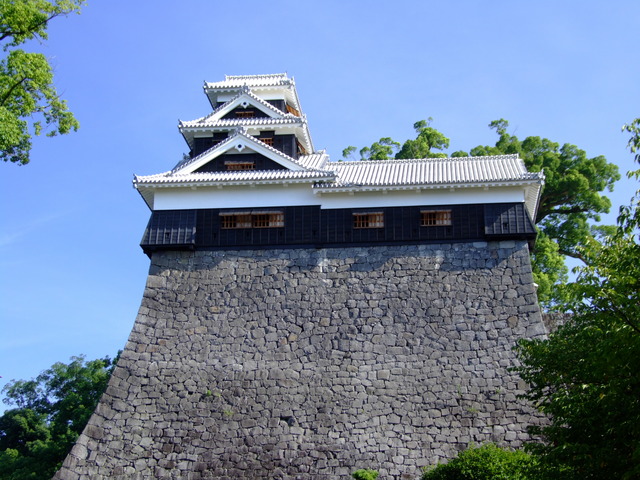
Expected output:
(51, 411)
(428, 139)
(383, 149)
(29, 102)
(585, 376)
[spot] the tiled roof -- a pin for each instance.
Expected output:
(246, 92)
(430, 172)
(241, 133)
(283, 118)
(249, 122)
(244, 176)
(234, 81)
(326, 177)
(315, 161)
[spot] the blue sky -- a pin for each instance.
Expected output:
(72, 273)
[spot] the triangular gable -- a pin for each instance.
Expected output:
(245, 99)
(241, 142)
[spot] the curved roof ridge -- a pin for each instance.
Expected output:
(240, 132)
(510, 156)
(234, 176)
(247, 92)
(264, 75)
(236, 81)
(244, 121)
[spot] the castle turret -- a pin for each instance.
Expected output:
(305, 318)
(254, 179)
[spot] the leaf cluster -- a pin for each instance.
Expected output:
(29, 101)
(51, 412)
(427, 140)
(365, 474)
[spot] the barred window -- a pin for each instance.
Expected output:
(245, 113)
(368, 220)
(230, 220)
(239, 165)
(267, 140)
(435, 218)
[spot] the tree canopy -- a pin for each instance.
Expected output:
(29, 101)
(427, 140)
(585, 376)
(51, 412)
(572, 198)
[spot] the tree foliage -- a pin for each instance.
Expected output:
(486, 462)
(427, 140)
(383, 149)
(585, 376)
(51, 411)
(365, 474)
(423, 146)
(29, 102)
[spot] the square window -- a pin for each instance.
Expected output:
(251, 220)
(368, 220)
(435, 218)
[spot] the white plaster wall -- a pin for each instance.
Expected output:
(301, 194)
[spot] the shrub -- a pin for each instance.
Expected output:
(365, 474)
(486, 462)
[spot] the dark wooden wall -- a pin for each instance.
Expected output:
(310, 225)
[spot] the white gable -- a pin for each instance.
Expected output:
(237, 143)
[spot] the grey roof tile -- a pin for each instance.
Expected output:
(429, 171)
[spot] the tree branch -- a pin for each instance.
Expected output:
(572, 254)
(10, 91)
(10, 33)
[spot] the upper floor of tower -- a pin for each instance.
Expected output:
(265, 106)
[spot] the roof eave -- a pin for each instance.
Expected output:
(225, 183)
(426, 186)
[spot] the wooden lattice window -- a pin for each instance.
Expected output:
(435, 218)
(245, 114)
(240, 165)
(267, 140)
(230, 220)
(268, 219)
(368, 220)
(235, 220)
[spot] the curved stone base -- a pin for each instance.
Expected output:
(306, 363)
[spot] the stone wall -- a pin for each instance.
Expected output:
(310, 364)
